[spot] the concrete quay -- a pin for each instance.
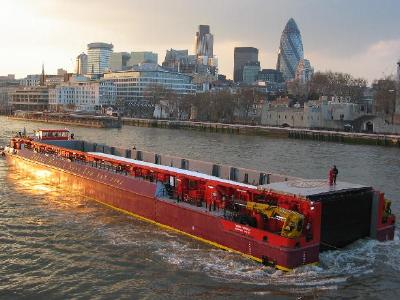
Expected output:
(85, 121)
(294, 133)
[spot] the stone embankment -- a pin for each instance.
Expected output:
(294, 133)
(86, 121)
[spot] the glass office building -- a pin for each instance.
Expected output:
(250, 72)
(133, 86)
(242, 56)
(290, 50)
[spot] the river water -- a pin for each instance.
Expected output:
(58, 245)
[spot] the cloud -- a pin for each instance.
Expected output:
(376, 61)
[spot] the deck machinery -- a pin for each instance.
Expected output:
(283, 224)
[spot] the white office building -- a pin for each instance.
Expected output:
(88, 96)
(31, 80)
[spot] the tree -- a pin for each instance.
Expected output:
(337, 84)
(298, 90)
(120, 104)
(154, 93)
(212, 106)
(247, 100)
(222, 106)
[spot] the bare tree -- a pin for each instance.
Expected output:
(215, 106)
(154, 93)
(337, 84)
(222, 107)
(298, 91)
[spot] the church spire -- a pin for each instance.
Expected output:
(42, 77)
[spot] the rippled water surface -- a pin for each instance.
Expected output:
(56, 244)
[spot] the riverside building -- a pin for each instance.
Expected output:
(8, 84)
(30, 99)
(88, 96)
(133, 86)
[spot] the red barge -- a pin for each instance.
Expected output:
(279, 221)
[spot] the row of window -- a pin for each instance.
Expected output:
(292, 117)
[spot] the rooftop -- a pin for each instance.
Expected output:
(100, 45)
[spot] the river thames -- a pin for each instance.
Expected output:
(58, 245)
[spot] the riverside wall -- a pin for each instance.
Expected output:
(89, 121)
(294, 133)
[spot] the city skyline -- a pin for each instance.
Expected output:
(336, 35)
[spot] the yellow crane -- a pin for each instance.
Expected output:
(292, 221)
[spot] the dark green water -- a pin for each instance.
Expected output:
(57, 245)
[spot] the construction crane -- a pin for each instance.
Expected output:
(292, 221)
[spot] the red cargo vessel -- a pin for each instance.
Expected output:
(281, 222)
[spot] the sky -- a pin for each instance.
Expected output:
(361, 37)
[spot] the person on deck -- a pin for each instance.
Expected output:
(335, 173)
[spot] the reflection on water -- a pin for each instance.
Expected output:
(57, 244)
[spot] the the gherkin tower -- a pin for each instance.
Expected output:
(290, 50)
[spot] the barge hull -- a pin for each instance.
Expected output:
(137, 198)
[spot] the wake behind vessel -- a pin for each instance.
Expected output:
(277, 220)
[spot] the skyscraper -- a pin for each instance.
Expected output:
(242, 56)
(99, 57)
(290, 50)
(206, 63)
(204, 42)
(81, 64)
